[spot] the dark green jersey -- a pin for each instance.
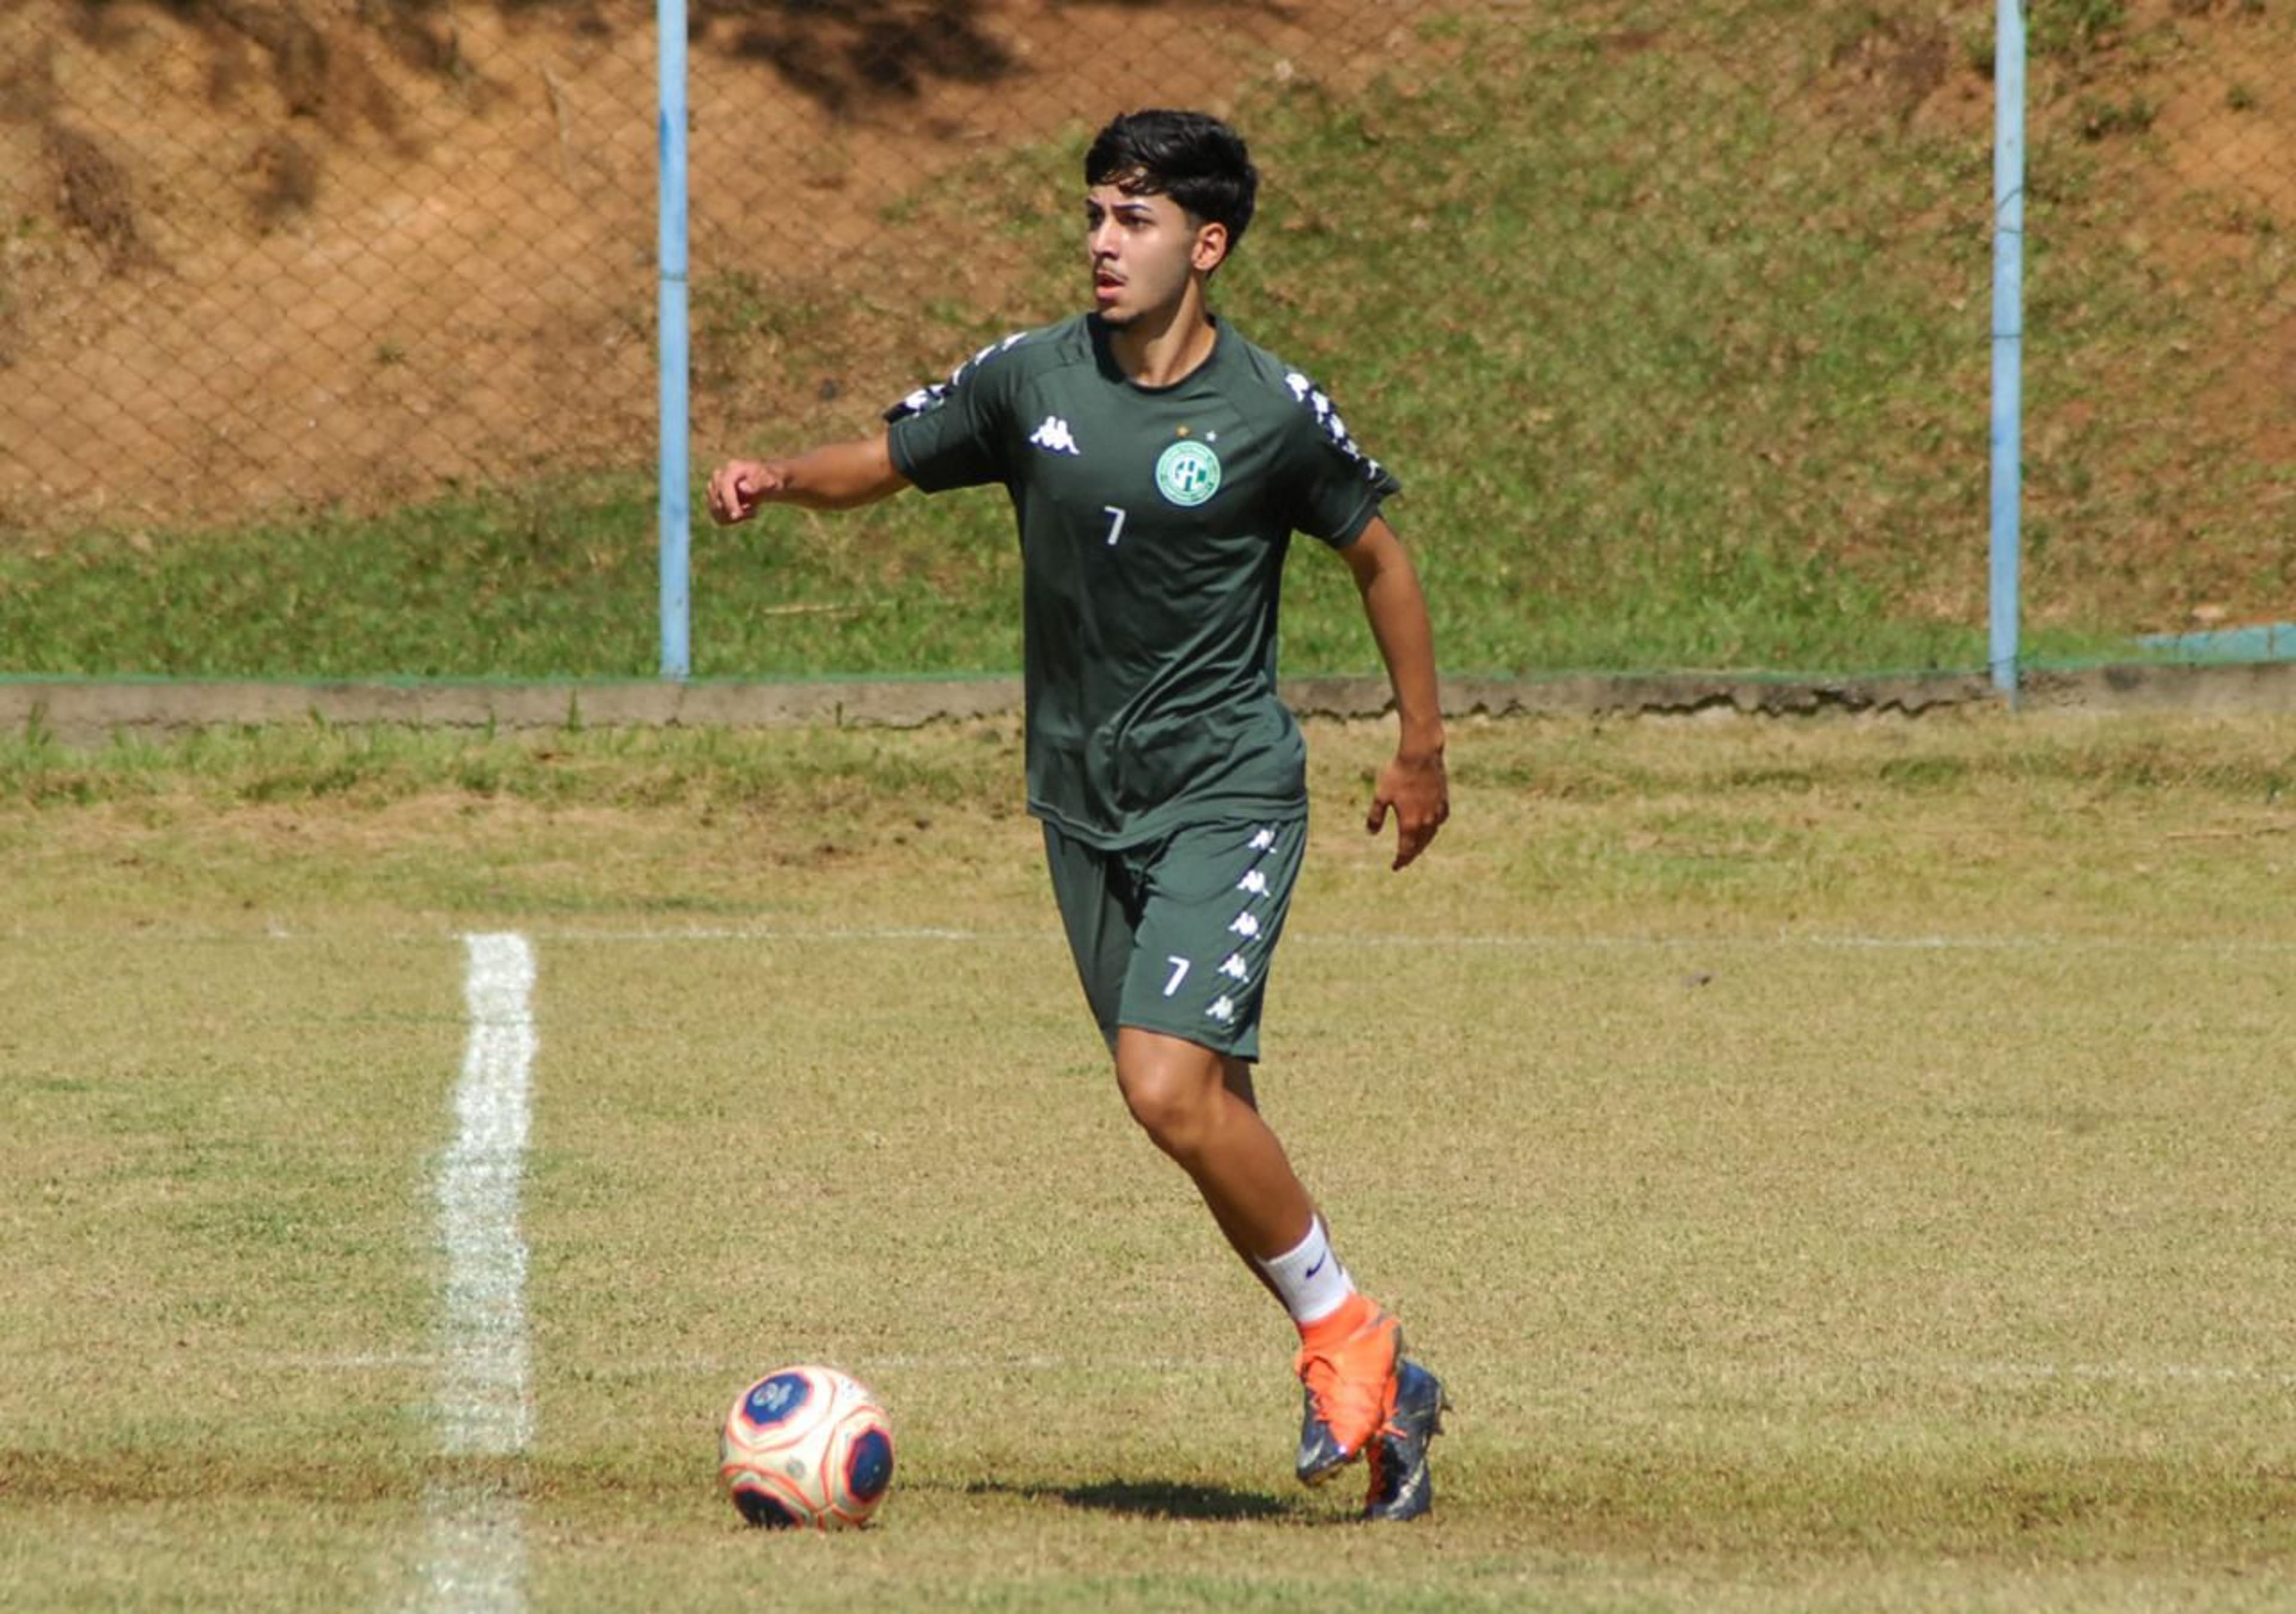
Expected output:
(1153, 525)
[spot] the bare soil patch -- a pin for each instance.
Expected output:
(355, 251)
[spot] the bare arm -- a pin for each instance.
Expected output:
(835, 476)
(1413, 783)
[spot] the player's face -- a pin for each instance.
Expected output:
(1142, 249)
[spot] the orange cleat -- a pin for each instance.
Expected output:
(1347, 1363)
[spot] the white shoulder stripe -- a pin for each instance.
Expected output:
(933, 394)
(1310, 395)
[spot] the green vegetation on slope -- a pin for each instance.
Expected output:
(1682, 365)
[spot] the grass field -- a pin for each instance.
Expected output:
(1838, 1164)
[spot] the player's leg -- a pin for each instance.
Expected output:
(1191, 1102)
(1211, 903)
(1211, 907)
(1181, 1094)
(1098, 893)
(1237, 1074)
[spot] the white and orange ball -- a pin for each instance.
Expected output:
(806, 1446)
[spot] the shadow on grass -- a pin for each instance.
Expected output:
(1149, 1499)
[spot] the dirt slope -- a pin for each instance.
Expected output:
(354, 250)
(256, 254)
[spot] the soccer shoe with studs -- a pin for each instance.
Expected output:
(1349, 1390)
(1400, 1484)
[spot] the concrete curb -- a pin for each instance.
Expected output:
(81, 712)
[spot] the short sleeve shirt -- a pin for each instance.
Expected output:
(1153, 524)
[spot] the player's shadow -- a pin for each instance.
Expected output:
(1150, 1498)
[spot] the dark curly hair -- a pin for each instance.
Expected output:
(1191, 157)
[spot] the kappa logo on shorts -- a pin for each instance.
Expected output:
(1253, 881)
(1222, 1009)
(1235, 969)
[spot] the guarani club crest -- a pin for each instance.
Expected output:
(1188, 473)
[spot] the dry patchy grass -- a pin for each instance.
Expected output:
(1836, 1166)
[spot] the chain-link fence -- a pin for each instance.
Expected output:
(2161, 317)
(260, 256)
(267, 256)
(345, 252)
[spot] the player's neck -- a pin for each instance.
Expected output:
(1163, 347)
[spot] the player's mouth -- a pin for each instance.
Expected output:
(1106, 287)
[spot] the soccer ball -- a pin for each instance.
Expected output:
(807, 1446)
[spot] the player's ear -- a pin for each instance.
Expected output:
(1210, 250)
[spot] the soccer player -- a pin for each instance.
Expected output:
(1159, 464)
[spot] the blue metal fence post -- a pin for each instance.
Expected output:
(2008, 334)
(676, 517)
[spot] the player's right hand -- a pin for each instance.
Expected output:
(738, 486)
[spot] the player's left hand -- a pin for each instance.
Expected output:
(1419, 790)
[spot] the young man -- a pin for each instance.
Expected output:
(1159, 464)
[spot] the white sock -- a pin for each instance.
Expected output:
(1310, 1278)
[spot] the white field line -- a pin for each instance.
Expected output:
(474, 1557)
(476, 1550)
(482, 1393)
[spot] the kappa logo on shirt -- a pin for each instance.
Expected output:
(1055, 437)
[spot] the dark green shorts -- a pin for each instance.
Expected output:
(1176, 936)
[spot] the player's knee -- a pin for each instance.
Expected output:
(1171, 1097)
